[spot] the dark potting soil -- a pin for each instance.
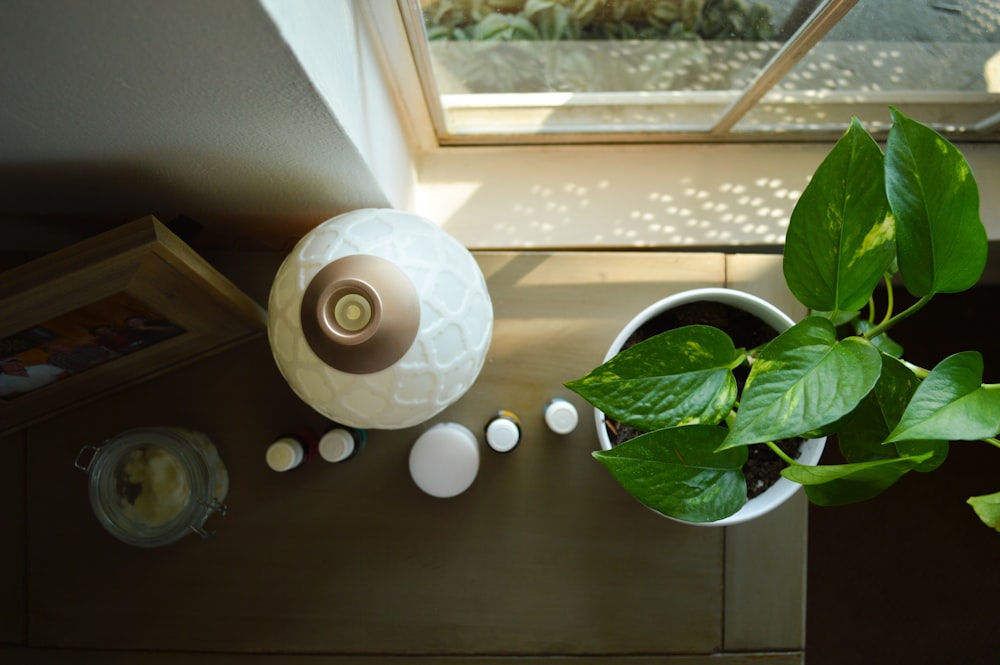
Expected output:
(763, 467)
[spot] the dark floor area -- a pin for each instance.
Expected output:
(912, 576)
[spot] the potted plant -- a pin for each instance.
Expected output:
(909, 216)
(753, 486)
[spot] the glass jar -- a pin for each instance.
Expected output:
(151, 486)
(561, 416)
(290, 451)
(503, 431)
(339, 444)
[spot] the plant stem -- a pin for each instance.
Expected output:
(781, 453)
(890, 297)
(889, 323)
(992, 442)
(918, 371)
(750, 355)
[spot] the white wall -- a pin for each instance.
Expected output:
(112, 109)
(262, 118)
(337, 52)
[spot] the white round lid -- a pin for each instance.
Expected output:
(284, 454)
(502, 434)
(561, 416)
(444, 460)
(336, 445)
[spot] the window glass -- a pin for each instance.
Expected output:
(939, 61)
(684, 69)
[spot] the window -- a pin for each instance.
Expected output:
(574, 71)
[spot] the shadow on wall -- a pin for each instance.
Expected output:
(49, 205)
(622, 196)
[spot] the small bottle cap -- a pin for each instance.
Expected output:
(336, 445)
(444, 460)
(502, 434)
(561, 416)
(284, 454)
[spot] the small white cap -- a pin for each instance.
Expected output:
(444, 460)
(336, 445)
(284, 454)
(502, 434)
(561, 416)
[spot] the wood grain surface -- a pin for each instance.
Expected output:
(544, 554)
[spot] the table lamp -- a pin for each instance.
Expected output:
(378, 319)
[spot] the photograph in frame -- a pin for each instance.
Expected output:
(108, 312)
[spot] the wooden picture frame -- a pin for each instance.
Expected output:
(113, 310)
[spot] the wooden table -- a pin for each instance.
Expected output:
(544, 555)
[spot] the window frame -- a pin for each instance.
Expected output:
(520, 116)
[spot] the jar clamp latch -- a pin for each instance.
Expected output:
(214, 506)
(80, 455)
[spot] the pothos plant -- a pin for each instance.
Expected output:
(909, 215)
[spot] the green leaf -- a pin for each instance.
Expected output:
(802, 380)
(987, 507)
(839, 484)
(941, 241)
(551, 18)
(861, 435)
(504, 27)
(951, 404)
(675, 472)
(840, 237)
(882, 342)
(680, 377)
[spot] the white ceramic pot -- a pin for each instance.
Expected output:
(810, 451)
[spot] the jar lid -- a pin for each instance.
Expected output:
(502, 434)
(444, 460)
(336, 445)
(561, 416)
(284, 454)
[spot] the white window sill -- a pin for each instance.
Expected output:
(635, 196)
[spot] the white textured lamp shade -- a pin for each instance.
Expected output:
(378, 319)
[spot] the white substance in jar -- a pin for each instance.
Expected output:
(211, 455)
(161, 482)
(151, 486)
